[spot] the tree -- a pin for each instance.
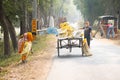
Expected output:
(3, 22)
(91, 9)
(10, 13)
(58, 9)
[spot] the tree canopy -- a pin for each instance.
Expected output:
(19, 13)
(91, 9)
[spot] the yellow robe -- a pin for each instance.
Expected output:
(26, 50)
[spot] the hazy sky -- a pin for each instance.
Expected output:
(73, 14)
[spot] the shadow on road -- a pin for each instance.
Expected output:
(68, 56)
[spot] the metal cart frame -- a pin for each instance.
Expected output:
(69, 44)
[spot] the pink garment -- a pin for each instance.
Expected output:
(20, 45)
(25, 36)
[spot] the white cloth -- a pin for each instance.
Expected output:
(51, 21)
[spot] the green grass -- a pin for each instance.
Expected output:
(1, 47)
(38, 45)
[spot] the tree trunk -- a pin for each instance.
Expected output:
(45, 20)
(5, 29)
(12, 34)
(22, 20)
(6, 39)
(119, 19)
(22, 27)
(30, 21)
(26, 18)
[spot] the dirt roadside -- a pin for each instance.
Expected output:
(36, 68)
(115, 40)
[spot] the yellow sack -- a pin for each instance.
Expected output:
(86, 50)
(67, 30)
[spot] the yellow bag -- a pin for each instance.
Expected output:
(67, 29)
(86, 48)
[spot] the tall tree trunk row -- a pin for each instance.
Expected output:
(3, 23)
(12, 34)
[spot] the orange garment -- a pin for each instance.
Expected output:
(23, 57)
(29, 36)
(25, 45)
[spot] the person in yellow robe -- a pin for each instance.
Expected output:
(26, 46)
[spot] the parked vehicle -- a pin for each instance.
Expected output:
(102, 24)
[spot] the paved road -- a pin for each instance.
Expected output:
(103, 65)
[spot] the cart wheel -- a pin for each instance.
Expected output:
(70, 49)
(69, 46)
(58, 47)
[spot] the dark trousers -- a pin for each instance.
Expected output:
(88, 40)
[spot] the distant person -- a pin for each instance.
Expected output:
(110, 30)
(87, 32)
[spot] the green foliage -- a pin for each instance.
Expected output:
(44, 6)
(1, 47)
(91, 9)
(7, 60)
(59, 6)
(10, 8)
(14, 9)
(42, 43)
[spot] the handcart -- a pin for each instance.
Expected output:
(69, 43)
